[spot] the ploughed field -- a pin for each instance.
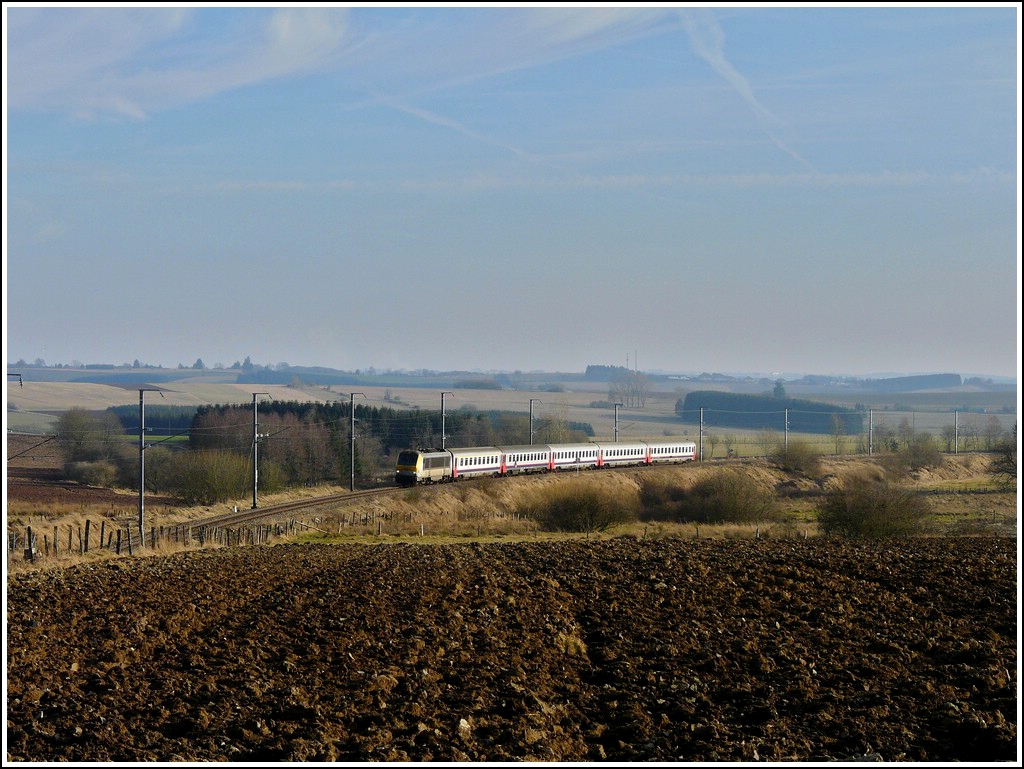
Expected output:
(620, 649)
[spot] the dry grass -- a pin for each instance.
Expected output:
(485, 510)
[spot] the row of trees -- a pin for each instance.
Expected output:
(736, 410)
(308, 444)
(297, 444)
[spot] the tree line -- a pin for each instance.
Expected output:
(757, 412)
(295, 444)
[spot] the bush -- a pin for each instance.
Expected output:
(798, 457)
(208, 477)
(730, 496)
(873, 510)
(91, 473)
(578, 506)
(659, 498)
(919, 452)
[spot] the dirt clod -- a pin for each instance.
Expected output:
(610, 650)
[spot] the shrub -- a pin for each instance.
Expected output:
(919, 452)
(208, 477)
(798, 457)
(873, 510)
(91, 473)
(730, 496)
(578, 506)
(659, 498)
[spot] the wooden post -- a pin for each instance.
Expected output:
(81, 544)
(31, 551)
(103, 532)
(87, 525)
(118, 542)
(55, 540)
(129, 541)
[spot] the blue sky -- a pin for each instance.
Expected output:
(828, 190)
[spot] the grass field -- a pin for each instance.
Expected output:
(34, 406)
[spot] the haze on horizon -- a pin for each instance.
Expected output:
(830, 190)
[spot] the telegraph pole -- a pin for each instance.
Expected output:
(444, 393)
(617, 405)
(701, 433)
(142, 461)
(532, 400)
(255, 452)
(352, 439)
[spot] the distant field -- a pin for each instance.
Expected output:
(35, 406)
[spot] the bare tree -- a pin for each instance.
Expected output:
(84, 436)
(630, 390)
(949, 436)
(837, 431)
(992, 432)
(1004, 466)
(767, 439)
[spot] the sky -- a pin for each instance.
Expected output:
(827, 189)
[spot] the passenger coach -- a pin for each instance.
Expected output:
(442, 465)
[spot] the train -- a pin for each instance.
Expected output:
(425, 466)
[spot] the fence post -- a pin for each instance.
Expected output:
(87, 526)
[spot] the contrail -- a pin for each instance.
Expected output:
(708, 42)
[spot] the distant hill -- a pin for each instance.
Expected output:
(283, 374)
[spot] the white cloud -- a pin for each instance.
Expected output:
(708, 42)
(129, 62)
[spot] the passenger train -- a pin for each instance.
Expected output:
(443, 465)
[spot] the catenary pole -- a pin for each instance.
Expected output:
(352, 439)
(443, 436)
(255, 449)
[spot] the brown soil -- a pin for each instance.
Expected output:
(627, 649)
(621, 650)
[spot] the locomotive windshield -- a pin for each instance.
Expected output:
(408, 457)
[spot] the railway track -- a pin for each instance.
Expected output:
(277, 511)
